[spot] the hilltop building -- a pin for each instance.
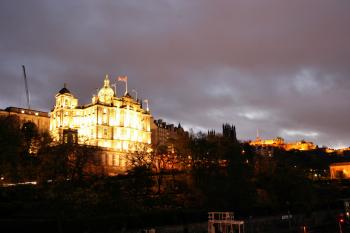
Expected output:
(342, 151)
(300, 145)
(117, 125)
(280, 143)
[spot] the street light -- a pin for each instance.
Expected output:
(341, 223)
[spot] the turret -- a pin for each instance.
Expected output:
(65, 99)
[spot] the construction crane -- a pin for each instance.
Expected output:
(26, 86)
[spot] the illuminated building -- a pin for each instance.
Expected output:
(341, 151)
(301, 145)
(117, 125)
(340, 170)
(277, 142)
(280, 143)
(39, 118)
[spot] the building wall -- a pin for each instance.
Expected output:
(163, 134)
(279, 142)
(302, 145)
(39, 118)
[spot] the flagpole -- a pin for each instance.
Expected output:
(115, 88)
(126, 85)
(124, 79)
(133, 90)
(146, 101)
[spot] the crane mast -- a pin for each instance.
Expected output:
(26, 86)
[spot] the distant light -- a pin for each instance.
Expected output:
(22, 111)
(36, 114)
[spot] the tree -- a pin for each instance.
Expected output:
(69, 162)
(11, 141)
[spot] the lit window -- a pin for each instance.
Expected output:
(125, 145)
(114, 163)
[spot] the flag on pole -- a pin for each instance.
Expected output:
(123, 78)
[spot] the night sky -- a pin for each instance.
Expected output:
(280, 66)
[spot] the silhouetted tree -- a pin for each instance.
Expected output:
(11, 141)
(69, 162)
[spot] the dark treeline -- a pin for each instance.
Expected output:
(206, 172)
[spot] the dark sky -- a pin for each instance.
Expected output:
(280, 66)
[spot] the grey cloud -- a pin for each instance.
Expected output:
(199, 62)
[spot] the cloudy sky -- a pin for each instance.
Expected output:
(282, 67)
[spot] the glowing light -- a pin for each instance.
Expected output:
(119, 124)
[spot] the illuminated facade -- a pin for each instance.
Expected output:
(117, 125)
(277, 142)
(340, 170)
(301, 145)
(280, 143)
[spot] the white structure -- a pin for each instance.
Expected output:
(224, 222)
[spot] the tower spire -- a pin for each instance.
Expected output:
(106, 81)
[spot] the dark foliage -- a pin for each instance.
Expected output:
(207, 172)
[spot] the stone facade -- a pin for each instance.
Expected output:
(119, 126)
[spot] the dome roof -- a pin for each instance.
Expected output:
(106, 92)
(64, 91)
